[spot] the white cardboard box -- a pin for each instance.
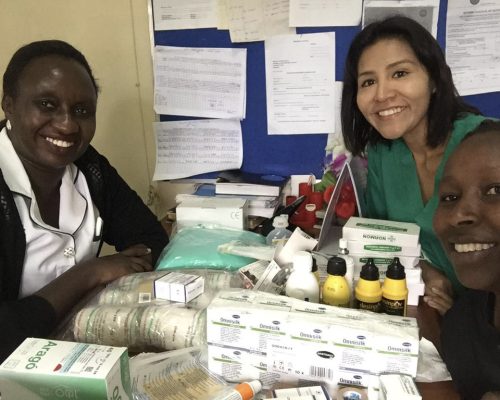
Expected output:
(230, 213)
(51, 369)
(398, 387)
(379, 249)
(254, 335)
(176, 286)
(373, 231)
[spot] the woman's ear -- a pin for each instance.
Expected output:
(7, 106)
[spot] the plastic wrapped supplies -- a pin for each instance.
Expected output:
(166, 327)
(126, 313)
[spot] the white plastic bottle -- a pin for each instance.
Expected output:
(349, 263)
(279, 233)
(302, 284)
(242, 391)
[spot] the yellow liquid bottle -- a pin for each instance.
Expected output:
(368, 293)
(394, 290)
(335, 291)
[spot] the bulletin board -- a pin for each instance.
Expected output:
(288, 154)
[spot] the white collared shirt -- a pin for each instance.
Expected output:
(51, 251)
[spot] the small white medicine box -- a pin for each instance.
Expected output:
(179, 287)
(231, 213)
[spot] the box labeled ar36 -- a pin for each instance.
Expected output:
(51, 369)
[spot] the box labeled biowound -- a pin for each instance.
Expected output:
(180, 287)
(369, 230)
(51, 369)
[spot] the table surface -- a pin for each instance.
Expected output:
(430, 328)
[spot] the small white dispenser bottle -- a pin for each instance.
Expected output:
(279, 233)
(302, 283)
(349, 264)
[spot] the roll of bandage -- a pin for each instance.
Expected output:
(108, 325)
(172, 327)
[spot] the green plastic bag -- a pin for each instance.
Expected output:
(196, 247)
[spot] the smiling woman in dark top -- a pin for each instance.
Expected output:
(467, 221)
(59, 198)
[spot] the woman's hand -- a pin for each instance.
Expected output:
(136, 258)
(438, 289)
(69, 288)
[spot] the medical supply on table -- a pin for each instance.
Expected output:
(315, 271)
(196, 247)
(302, 283)
(179, 287)
(368, 292)
(398, 387)
(252, 250)
(256, 335)
(165, 327)
(352, 393)
(316, 392)
(349, 264)
(226, 212)
(174, 375)
(52, 369)
(242, 391)
(335, 290)
(280, 233)
(394, 290)
(381, 231)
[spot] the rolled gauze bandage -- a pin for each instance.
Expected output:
(108, 325)
(172, 327)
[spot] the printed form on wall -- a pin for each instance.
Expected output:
(187, 148)
(300, 83)
(254, 20)
(473, 45)
(425, 12)
(181, 14)
(325, 12)
(200, 82)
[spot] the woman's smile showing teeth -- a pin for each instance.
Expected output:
(59, 143)
(468, 247)
(390, 111)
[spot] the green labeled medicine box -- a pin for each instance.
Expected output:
(51, 369)
(378, 231)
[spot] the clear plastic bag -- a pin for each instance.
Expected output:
(174, 375)
(251, 250)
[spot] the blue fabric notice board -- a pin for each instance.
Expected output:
(287, 154)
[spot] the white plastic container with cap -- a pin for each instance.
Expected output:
(302, 284)
(242, 391)
(349, 264)
(279, 233)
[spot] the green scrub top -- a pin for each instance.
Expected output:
(393, 190)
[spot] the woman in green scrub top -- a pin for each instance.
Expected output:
(401, 109)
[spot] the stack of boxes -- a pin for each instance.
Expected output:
(383, 240)
(257, 335)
